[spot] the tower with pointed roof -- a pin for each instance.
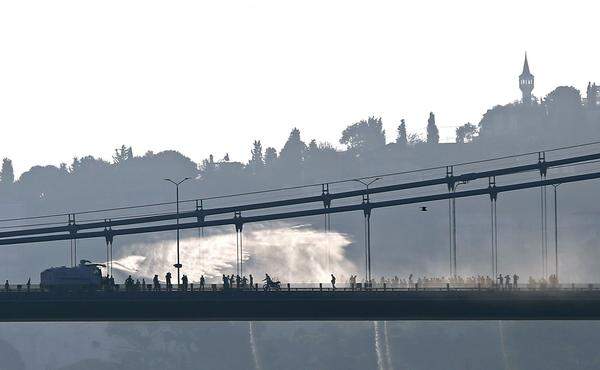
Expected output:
(526, 80)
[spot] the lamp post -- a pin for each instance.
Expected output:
(367, 229)
(177, 183)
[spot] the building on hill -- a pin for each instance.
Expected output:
(593, 96)
(562, 113)
(526, 83)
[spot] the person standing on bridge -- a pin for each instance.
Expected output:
(201, 282)
(244, 282)
(156, 283)
(225, 282)
(168, 281)
(333, 281)
(28, 285)
(6, 286)
(251, 281)
(515, 280)
(129, 283)
(184, 281)
(501, 281)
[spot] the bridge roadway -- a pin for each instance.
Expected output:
(303, 304)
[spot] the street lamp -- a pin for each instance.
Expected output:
(367, 229)
(177, 265)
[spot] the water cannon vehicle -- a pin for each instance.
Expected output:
(85, 276)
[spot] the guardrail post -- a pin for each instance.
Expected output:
(256, 287)
(288, 286)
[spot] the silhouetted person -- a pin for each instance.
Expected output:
(28, 284)
(111, 281)
(168, 281)
(143, 284)
(138, 285)
(515, 280)
(251, 281)
(6, 286)
(244, 282)
(202, 282)
(333, 281)
(501, 281)
(237, 281)
(156, 283)
(507, 279)
(225, 282)
(129, 283)
(184, 280)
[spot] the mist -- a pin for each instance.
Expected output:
(298, 254)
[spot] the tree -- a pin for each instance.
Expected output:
(465, 133)
(270, 156)
(256, 161)
(293, 149)
(414, 139)
(564, 106)
(433, 134)
(122, 154)
(402, 138)
(7, 174)
(364, 135)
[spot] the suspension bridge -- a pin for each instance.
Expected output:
(368, 302)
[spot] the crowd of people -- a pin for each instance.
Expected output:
(229, 282)
(502, 281)
(507, 281)
(233, 281)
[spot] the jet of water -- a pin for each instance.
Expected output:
(287, 254)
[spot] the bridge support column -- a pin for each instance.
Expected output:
(494, 226)
(200, 220)
(327, 205)
(73, 241)
(239, 245)
(108, 235)
(556, 231)
(544, 213)
(367, 214)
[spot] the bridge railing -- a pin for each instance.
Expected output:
(304, 287)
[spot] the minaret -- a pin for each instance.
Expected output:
(526, 83)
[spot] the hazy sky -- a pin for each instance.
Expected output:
(82, 77)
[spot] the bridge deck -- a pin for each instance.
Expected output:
(549, 304)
